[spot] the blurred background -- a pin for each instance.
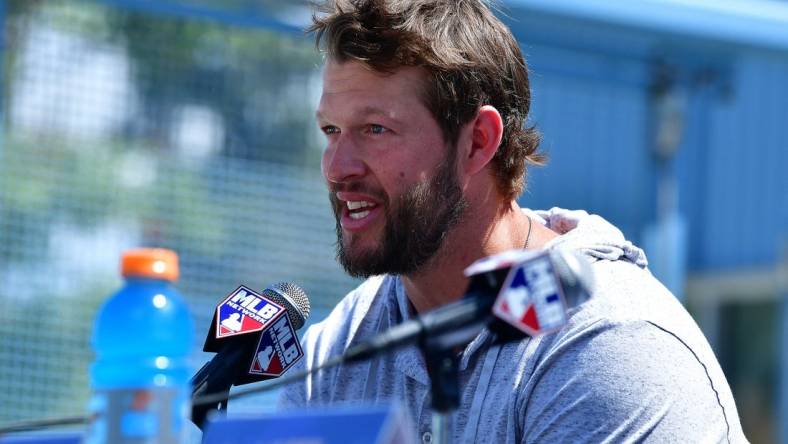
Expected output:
(188, 124)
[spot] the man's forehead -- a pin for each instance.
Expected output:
(361, 91)
(352, 75)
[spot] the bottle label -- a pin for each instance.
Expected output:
(137, 416)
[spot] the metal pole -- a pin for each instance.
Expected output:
(782, 294)
(3, 49)
(442, 426)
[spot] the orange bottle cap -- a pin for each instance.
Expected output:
(156, 263)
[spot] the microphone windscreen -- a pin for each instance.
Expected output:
(293, 299)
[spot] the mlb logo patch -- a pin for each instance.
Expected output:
(266, 361)
(277, 350)
(233, 321)
(244, 311)
(531, 298)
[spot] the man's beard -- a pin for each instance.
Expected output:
(417, 224)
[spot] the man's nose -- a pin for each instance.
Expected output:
(342, 161)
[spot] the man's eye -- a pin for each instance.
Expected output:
(329, 129)
(377, 129)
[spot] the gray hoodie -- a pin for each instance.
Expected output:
(630, 365)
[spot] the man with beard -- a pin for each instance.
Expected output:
(423, 108)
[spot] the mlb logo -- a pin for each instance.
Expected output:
(244, 311)
(266, 361)
(277, 350)
(531, 298)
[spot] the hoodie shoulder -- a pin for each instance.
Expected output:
(632, 340)
(635, 365)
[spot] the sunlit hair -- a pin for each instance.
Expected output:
(471, 57)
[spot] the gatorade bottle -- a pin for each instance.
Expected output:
(142, 338)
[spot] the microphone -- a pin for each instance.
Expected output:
(253, 336)
(512, 293)
(538, 291)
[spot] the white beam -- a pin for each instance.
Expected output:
(759, 23)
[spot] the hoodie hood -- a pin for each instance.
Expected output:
(589, 234)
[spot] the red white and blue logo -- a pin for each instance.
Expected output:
(531, 298)
(244, 311)
(277, 351)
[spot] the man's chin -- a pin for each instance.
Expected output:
(362, 243)
(360, 261)
(359, 256)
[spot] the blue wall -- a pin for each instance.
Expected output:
(593, 116)
(593, 101)
(742, 212)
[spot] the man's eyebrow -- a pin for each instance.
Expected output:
(374, 111)
(319, 116)
(363, 112)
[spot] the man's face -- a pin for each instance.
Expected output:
(392, 178)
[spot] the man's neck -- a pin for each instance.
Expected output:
(442, 280)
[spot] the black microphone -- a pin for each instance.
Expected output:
(254, 338)
(507, 293)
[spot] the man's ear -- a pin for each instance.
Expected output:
(486, 131)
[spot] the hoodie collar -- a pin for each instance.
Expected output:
(590, 234)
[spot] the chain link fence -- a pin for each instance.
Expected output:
(125, 128)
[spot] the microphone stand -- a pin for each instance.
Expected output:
(216, 377)
(206, 387)
(442, 353)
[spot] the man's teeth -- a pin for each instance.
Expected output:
(356, 204)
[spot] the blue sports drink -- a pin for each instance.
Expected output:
(142, 338)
